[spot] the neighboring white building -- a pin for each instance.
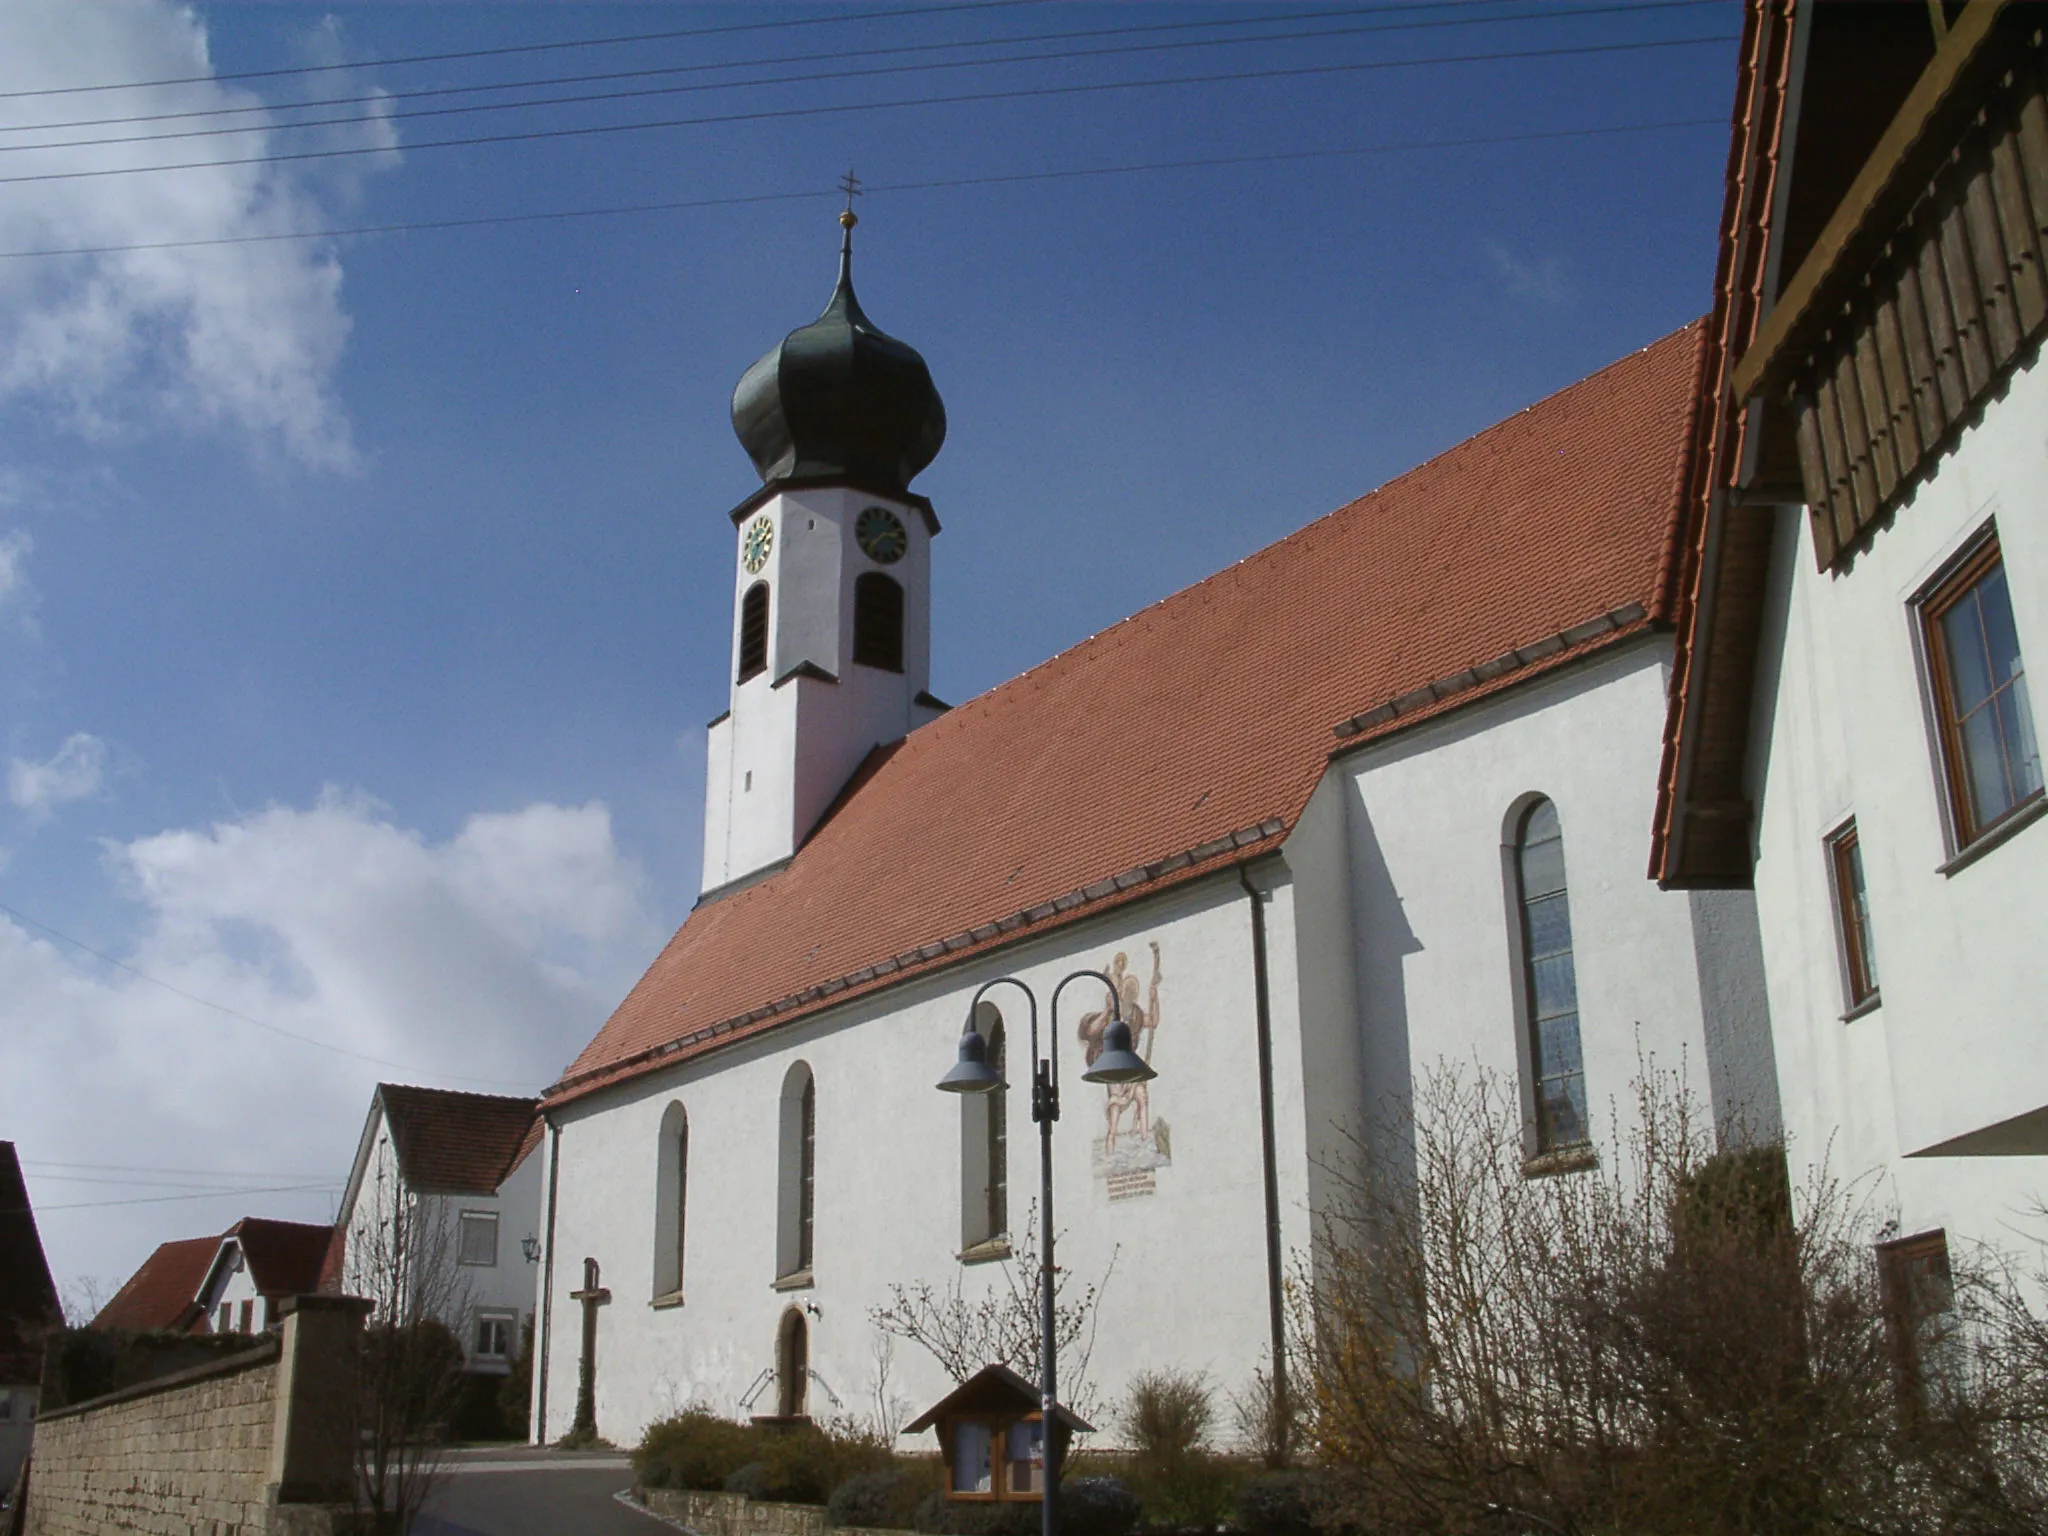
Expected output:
(1372, 799)
(258, 1265)
(453, 1173)
(29, 1312)
(1855, 730)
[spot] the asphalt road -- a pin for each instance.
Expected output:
(525, 1491)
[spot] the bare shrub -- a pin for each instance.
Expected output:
(1165, 1419)
(1656, 1343)
(1267, 1418)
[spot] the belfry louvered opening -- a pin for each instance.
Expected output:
(754, 631)
(878, 622)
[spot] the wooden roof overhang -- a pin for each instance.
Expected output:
(1915, 295)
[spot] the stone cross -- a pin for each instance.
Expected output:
(592, 1296)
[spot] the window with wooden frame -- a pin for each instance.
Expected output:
(878, 622)
(1991, 762)
(985, 1154)
(671, 1198)
(1852, 916)
(477, 1238)
(996, 1459)
(754, 631)
(797, 1176)
(1920, 1314)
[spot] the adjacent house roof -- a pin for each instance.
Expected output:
(457, 1143)
(28, 1297)
(164, 1292)
(284, 1257)
(1191, 735)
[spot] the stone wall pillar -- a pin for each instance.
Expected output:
(312, 1452)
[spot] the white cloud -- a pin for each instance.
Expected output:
(241, 338)
(483, 961)
(75, 771)
(1543, 281)
(16, 594)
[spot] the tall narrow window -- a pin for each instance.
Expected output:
(1852, 916)
(878, 622)
(1920, 1301)
(984, 1150)
(754, 631)
(671, 1197)
(1550, 983)
(1989, 754)
(797, 1175)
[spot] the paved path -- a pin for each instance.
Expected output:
(527, 1491)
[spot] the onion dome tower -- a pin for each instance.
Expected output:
(831, 615)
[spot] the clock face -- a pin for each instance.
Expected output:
(880, 535)
(754, 546)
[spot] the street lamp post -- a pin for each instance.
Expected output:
(1117, 1063)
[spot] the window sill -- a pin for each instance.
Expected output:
(666, 1300)
(1998, 832)
(1869, 1005)
(1563, 1160)
(800, 1280)
(985, 1253)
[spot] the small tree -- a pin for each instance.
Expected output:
(1002, 1324)
(402, 1258)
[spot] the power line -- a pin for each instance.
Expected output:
(205, 1173)
(964, 98)
(168, 1199)
(494, 53)
(235, 1013)
(1068, 174)
(836, 75)
(795, 58)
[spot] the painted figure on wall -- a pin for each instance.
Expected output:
(1132, 1144)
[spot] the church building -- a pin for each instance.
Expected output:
(1374, 798)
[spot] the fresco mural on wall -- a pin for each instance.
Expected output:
(1134, 1144)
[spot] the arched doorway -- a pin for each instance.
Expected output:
(792, 1365)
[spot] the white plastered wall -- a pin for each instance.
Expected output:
(1188, 1282)
(1843, 729)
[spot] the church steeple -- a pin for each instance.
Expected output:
(840, 397)
(832, 580)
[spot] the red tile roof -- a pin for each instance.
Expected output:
(164, 1292)
(28, 1297)
(284, 1257)
(1193, 733)
(456, 1143)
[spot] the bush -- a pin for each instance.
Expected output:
(883, 1500)
(515, 1393)
(1166, 1418)
(938, 1515)
(802, 1465)
(1096, 1506)
(1276, 1504)
(696, 1449)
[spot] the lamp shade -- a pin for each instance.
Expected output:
(972, 1073)
(1118, 1063)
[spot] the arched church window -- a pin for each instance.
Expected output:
(792, 1365)
(754, 631)
(878, 622)
(797, 1166)
(984, 1147)
(671, 1198)
(1557, 1074)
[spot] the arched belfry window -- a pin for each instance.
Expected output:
(984, 1148)
(1550, 989)
(792, 1365)
(878, 622)
(754, 631)
(797, 1173)
(671, 1200)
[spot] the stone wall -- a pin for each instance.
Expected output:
(252, 1446)
(732, 1514)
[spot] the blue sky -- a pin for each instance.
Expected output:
(362, 599)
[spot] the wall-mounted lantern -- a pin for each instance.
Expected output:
(992, 1437)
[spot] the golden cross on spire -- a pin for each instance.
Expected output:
(850, 185)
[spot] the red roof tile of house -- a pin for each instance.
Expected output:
(28, 1297)
(456, 1143)
(164, 1292)
(284, 1257)
(1193, 733)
